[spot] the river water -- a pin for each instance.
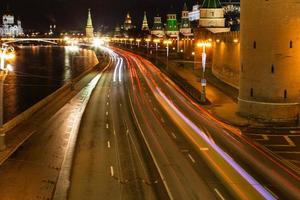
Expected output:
(39, 71)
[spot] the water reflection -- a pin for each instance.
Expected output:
(38, 72)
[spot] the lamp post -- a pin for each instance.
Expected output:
(156, 41)
(6, 53)
(138, 42)
(131, 40)
(148, 40)
(204, 45)
(167, 43)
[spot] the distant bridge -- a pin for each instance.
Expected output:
(46, 40)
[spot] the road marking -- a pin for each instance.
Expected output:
(120, 105)
(264, 138)
(289, 141)
(174, 136)
(287, 152)
(108, 144)
(106, 113)
(192, 159)
(114, 132)
(294, 131)
(219, 194)
(107, 103)
(111, 170)
(108, 96)
(107, 126)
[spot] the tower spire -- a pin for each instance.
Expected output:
(89, 20)
(145, 26)
(89, 30)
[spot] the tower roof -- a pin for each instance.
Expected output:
(211, 4)
(89, 20)
(185, 8)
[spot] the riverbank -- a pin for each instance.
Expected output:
(24, 125)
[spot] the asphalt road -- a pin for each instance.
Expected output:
(141, 137)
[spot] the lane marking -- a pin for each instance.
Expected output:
(112, 171)
(174, 136)
(289, 141)
(287, 152)
(192, 159)
(107, 103)
(107, 126)
(219, 194)
(108, 144)
(108, 96)
(106, 113)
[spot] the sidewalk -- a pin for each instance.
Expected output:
(223, 98)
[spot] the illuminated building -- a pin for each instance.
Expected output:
(145, 26)
(128, 22)
(89, 30)
(194, 15)
(9, 28)
(212, 16)
(185, 27)
(157, 28)
(172, 26)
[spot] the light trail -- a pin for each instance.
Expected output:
(258, 187)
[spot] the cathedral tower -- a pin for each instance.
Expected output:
(157, 28)
(185, 27)
(89, 30)
(270, 64)
(212, 14)
(128, 22)
(145, 26)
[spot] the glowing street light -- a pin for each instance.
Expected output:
(131, 40)
(156, 41)
(6, 53)
(138, 42)
(148, 40)
(98, 42)
(204, 45)
(167, 43)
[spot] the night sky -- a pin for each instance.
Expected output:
(72, 14)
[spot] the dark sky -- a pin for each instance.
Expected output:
(71, 14)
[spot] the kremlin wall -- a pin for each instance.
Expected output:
(226, 57)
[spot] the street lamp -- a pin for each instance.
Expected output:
(131, 40)
(204, 45)
(167, 43)
(156, 41)
(6, 53)
(138, 42)
(148, 40)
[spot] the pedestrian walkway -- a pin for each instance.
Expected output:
(223, 98)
